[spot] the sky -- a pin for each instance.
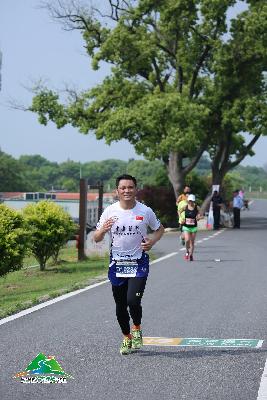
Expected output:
(35, 47)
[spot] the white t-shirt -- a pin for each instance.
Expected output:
(129, 229)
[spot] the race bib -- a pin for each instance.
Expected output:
(126, 269)
(190, 221)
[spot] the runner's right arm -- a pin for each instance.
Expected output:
(100, 233)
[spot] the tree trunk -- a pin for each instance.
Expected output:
(217, 179)
(42, 262)
(42, 267)
(222, 163)
(175, 172)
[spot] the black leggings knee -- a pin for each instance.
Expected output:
(129, 295)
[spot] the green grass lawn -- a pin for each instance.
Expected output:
(30, 286)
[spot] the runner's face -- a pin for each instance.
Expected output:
(187, 190)
(126, 190)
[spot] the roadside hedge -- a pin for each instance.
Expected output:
(50, 227)
(14, 240)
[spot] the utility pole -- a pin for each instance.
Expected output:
(100, 199)
(82, 219)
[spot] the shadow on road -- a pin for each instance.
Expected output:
(197, 353)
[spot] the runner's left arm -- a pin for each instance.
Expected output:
(148, 243)
(199, 215)
(158, 229)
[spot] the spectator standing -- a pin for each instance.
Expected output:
(217, 203)
(237, 206)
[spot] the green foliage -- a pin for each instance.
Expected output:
(105, 171)
(232, 181)
(41, 174)
(13, 175)
(238, 92)
(13, 240)
(148, 173)
(35, 161)
(199, 185)
(180, 81)
(252, 177)
(50, 228)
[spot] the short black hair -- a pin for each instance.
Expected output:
(127, 177)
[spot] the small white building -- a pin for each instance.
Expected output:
(68, 201)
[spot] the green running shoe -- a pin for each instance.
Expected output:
(137, 339)
(126, 346)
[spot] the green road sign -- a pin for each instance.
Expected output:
(203, 342)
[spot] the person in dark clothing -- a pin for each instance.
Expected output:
(216, 206)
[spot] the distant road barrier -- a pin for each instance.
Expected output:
(256, 195)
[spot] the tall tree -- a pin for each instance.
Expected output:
(239, 92)
(160, 94)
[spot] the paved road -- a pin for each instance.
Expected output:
(205, 298)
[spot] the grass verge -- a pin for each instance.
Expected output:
(30, 286)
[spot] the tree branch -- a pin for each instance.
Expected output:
(181, 79)
(196, 158)
(226, 153)
(197, 68)
(203, 56)
(157, 70)
(72, 16)
(245, 152)
(117, 8)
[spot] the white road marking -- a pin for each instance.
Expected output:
(262, 393)
(66, 296)
(71, 294)
(164, 257)
(48, 303)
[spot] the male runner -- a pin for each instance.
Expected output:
(127, 221)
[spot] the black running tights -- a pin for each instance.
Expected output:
(129, 295)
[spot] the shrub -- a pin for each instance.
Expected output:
(13, 240)
(162, 201)
(50, 227)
